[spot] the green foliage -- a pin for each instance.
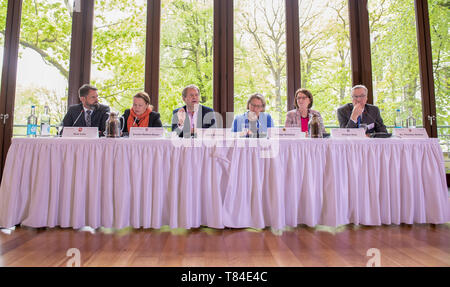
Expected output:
(39, 97)
(3, 9)
(439, 13)
(395, 62)
(260, 55)
(325, 55)
(186, 53)
(46, 28)
(118, 55)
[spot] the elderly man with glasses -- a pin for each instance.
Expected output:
(360, 114)
(187, 119)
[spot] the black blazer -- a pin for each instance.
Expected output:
(154, 120)
(75, 117)
(206, 120)
(371, 114)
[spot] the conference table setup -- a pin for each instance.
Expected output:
(222, 183)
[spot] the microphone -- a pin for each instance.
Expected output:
(82, 110)
(253, 127)
(136, 121)
(257, 127)
(365, 113)
(254, 124)
(382, 134)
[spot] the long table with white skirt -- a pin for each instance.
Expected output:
(237, 183)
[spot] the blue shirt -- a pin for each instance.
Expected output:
(241, 121)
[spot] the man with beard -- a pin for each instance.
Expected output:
(88, 113)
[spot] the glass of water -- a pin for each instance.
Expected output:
(59, 128)
(364, 126)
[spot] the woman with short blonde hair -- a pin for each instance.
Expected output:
(254, 122)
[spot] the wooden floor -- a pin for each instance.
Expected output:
(405, 245)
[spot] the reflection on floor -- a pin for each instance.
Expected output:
(350, 245)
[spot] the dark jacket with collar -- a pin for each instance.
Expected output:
(371, 114)
(205, 119)
(75, 117)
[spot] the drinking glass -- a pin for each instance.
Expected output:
(59, 128)
(364, 126)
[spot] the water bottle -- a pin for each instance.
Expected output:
(410, 120)
(32, 123)
(398, 119)
(45, 123)
(246, 128)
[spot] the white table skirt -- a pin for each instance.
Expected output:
(150, 183)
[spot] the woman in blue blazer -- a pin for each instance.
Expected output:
(254, 122)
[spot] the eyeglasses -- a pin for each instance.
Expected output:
(256, 106)
(302, 98)
(359, 97)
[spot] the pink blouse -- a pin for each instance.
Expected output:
(305, 124)
(294, 119)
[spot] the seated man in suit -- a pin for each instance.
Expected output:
(359, 112)
(187, 119)
(88, 113)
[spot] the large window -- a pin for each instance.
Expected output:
(439, 14)
(395, 60)
(43, 65)
(260, 55)
(186, 53)
(325, 55)
(118, 52)
(3, 11)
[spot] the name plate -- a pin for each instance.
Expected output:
(348, 133)
(80, 132)
(286, 133)
(407, 133)
(140, 132)
(212, 133)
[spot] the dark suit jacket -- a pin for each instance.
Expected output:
(205, 119)
(371, 114)
(98, 117)
(154, 120)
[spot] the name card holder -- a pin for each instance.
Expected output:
(80, 132)
(212, 133)
(348, 133)
(145, 132)
(286, 133)
(410, 133)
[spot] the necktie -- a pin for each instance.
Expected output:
(359, 121)
(88, 118)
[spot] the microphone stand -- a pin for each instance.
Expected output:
(82, 110)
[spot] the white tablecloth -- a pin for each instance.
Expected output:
(154, 182)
